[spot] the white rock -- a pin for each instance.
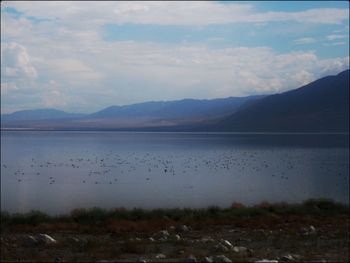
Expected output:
(164, 232)
(46, 239)
(208, 260)
(207, 240)
(239, 249)
(75, 239)
(312, 230)
(162, 235)
(287, 257)
(183, 228)
(160, 256)
(226, 243)
(151, 239)
(222, 258)
(221, 248)
(177, 237)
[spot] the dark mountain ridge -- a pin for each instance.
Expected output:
(322, 105)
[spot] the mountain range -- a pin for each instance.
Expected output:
(320, 106)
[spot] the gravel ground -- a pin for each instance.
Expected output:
(282, 239)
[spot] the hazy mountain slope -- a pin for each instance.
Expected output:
(147, 114)
(180, 109)
(322, 105)
(39, 114)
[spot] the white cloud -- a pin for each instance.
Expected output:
(66, 64)
(339, 43)
(344, 28)
(69, 68)
(336, 37)
(8, 87)
(333, 65)
(54, 99)
(128, 72)
(304, 40)
(303, 77)
(16, 62)
(318, 15)
(169, 13)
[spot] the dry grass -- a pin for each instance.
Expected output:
(121, 221)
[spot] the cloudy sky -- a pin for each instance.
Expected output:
(84, 56)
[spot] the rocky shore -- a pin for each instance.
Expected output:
(269, 237)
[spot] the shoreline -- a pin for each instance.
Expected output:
(126, 130)
(315, 230)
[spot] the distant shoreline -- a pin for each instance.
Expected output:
(166, 131)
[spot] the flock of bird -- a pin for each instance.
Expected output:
(110, 167)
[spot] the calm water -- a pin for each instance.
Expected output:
(58, 171)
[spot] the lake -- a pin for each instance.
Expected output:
(57, 171)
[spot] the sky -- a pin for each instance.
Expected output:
(85, 56)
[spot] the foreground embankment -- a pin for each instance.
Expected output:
(315, 230)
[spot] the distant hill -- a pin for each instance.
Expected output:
(39, 114)
(185, 109)
(320, 106)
